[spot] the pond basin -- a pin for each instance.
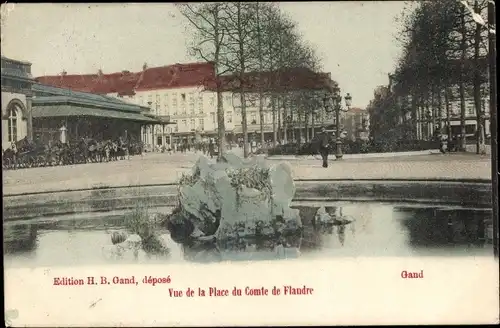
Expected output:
(378, 229)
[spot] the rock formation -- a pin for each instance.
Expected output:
(234, 199)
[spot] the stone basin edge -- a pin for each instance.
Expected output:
(452, 192)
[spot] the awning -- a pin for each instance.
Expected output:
(47, 111)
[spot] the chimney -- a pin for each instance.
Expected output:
(145, 66)
(99, 72)
(64, 73)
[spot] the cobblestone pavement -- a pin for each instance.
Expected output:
(155, 168)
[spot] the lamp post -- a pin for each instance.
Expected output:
(152, 130)
(289, 123)
(333, 102)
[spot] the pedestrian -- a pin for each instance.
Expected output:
(211, 148)
(13, 146)
(324, 146)
(443, 142)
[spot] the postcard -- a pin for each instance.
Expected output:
(249, 163)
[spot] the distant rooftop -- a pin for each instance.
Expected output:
(127, 83)
(16, 61)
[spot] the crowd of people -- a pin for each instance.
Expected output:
(25, 153)
(208, 148)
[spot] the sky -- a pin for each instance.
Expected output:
(355, 39)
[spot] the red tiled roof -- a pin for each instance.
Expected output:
(176, 76)
(126, 83)
(290, 79)
(187, 75)
(121, 83)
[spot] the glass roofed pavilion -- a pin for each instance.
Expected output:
(84, 114)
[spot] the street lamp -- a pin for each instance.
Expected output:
(152, 129)
(333, 102)
(289, 123)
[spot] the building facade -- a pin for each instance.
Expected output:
(16, 101)
(184, 94)
(424, 116)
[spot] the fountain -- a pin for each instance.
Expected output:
(235, 204)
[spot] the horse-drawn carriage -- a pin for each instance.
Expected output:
(24, 154)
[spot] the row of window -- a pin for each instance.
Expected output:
(192, 124)
(253, 118)
(173, 100)
(16, 85)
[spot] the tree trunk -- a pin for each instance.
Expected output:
(242, 71)
(285, 122)
(280, 137)
(447, 106)
(492, 61)
(414, 118)
(440, 108)
(477, 87)
(261, 94)
(313, 123)
(244, 125)
(299, 125)
(461, 87)
(273, 107)
(306, 125)
(221, 130)
(427, 116)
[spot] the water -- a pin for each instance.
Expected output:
(377, 230)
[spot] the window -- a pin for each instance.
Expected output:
(212, 101)
(202, 125)
(150, 99)
(229, 117)
(184, 123)
(141, 100)
(183, 96)
(228, 99)
(192, 124)
(470, 108)
(191, 103)
(158, 99)
(212, 115)
(174, 104)
(254, 118)
(12, 124)
(269, 118)
(200, 104)
(166, 104)
(159, 141)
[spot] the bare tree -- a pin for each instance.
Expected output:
(209, 43)
(239, 28)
